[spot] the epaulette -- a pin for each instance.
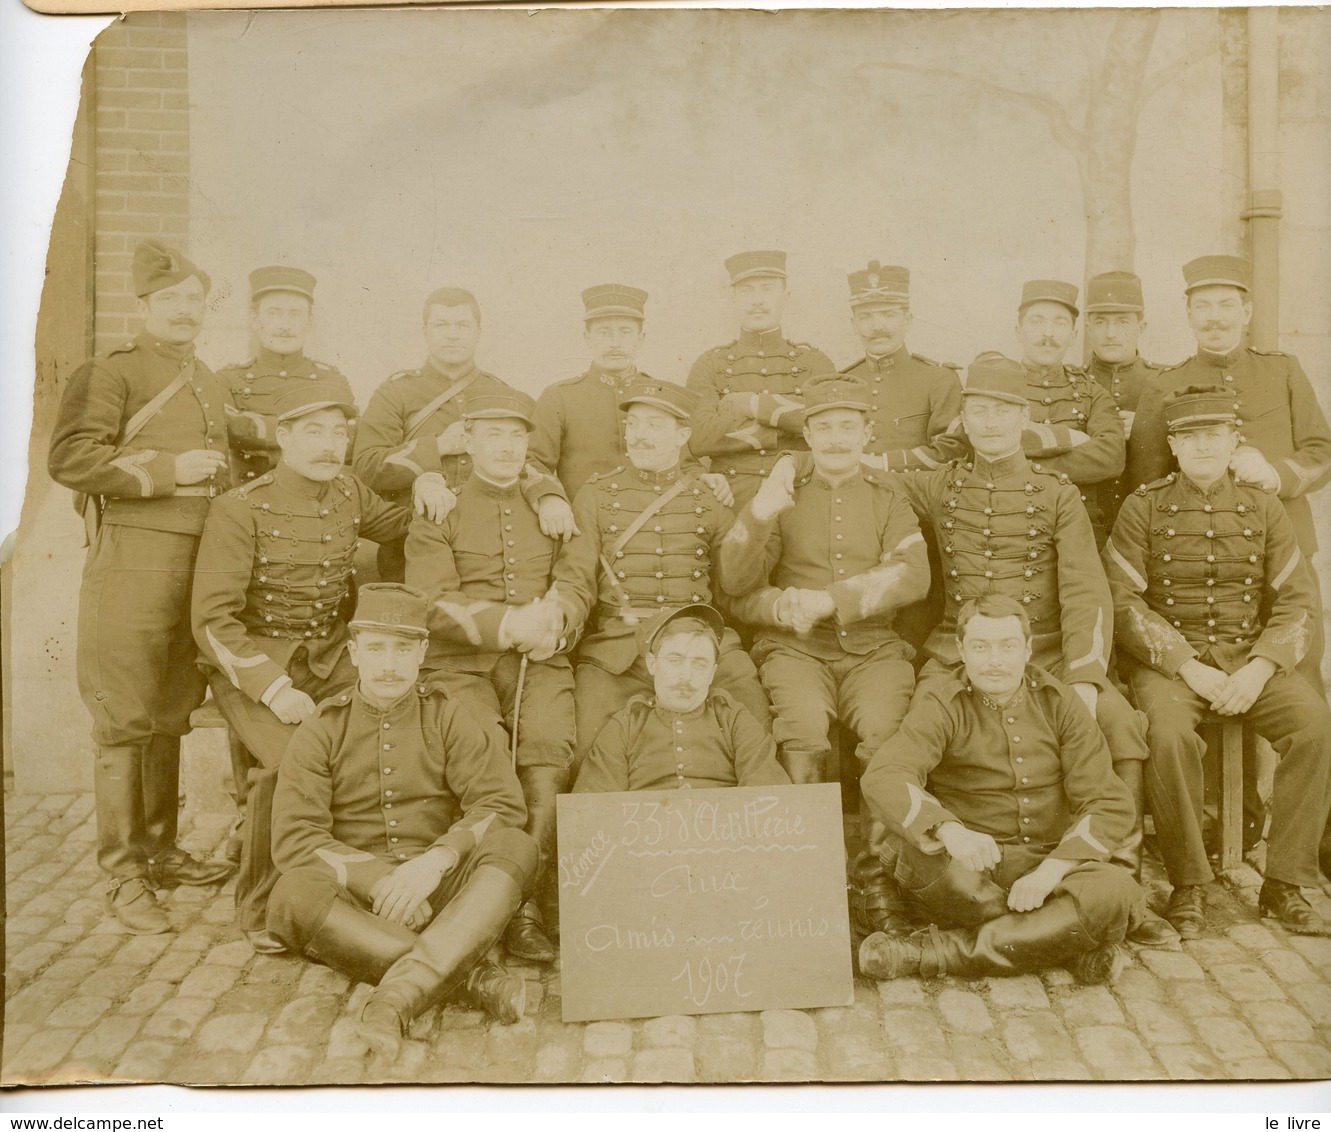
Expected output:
(258, 481)
(1268, 353)
(1157, 485)
(123, 348)
(596, 477)
(857, 362)
(324, 366)
(336, 700)
(931, 362)
(404, 373)
(802, 345)
(1152, 365)
(237, 365)
(1176, 365)
(577, 377)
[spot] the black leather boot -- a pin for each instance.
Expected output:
(257, 873)
(804, 767)
(170, 865)
(1290, 908)
(525, 937)
(442, 958)
(358, 943)
(122, 840)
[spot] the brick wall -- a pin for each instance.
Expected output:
(142, 155)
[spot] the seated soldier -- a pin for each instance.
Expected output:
(1000, 795)
(397, 826)
(1215, 604)
(689, 734)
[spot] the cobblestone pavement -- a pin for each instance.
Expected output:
(87, 1001)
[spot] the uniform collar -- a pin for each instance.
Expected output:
(887, 361)
(397, 707)
(1035, 677)
(491, 489)
(429, 369)
(998, 469)
(769, 341)
(615, 381)
(1104, 369)
(1044, 373)
(176, 351)
(1215, 491)
(270, 361)
(669, 476)
(297, 484)
(670, 716)
(817, 479)
(1220, 361)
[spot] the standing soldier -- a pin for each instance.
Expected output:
(493, 638)
(142, 434)
(1215, 604)
(274, 569)
(1114, 323)
(411, 434)
(750, 392)
(822, 561)
(281, 317)
(650, 534)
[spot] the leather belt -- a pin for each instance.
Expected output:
(207, 490)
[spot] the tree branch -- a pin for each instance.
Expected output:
(1152, 84)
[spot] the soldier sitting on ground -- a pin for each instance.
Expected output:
(687, 734)
(397, 827)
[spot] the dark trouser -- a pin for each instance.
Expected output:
(1291, 716)
(314, 915)
(261, 741)
(600, 693)
(391, 559)
(138, 678)
(1089, 907)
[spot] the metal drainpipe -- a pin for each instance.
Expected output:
(1264, 197)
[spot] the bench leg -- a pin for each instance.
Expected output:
(1231, 794)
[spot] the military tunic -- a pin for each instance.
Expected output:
(859, 542)
(664, 564)
(914, 400)
(1125, 382)
(647, 747)
(486, 558)
(1217, 575)
(256, 384)
(740, 445)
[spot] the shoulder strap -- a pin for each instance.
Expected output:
(136, 423)
(651, 509)
(417, 419)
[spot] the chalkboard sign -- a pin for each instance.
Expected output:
(698, 901)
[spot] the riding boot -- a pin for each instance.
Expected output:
(876, 902)
(442, 958)
(804, 767)
(122, 840)
(257, 873)
(241, 763)
(1144, 926)
(161, 794)
(357, 942)
(525, 937)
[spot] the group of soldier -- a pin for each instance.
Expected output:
(632, 584)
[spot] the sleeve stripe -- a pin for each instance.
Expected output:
(1127, 567)
(1289, 568)
(1098, 652)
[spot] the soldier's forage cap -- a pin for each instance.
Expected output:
(309, 397)
(702, 617)
(613, 300)
(510, 405)
(1114, 291)
(993, 375)
(674, 399)
(1217, 271)
(1197, 406)
(883, 286)
(1049, 291)
(834, 391)
(265, 279)
(157, 266)
(747, 265)
(391, 607)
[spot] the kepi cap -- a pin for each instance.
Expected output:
(311, 396)
(1196, 406)
(265, 279)
(994, 375)
(1049, 291)
(157, 266)
(391, 607)
(747, 265)
(885, 286)
(1217, 271)
(674, 399)
(706, 617)
(614, 300)
(825, 391)
(1114, 291)
(510, 405)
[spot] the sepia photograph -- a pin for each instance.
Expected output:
(677, 546)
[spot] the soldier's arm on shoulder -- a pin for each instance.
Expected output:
(1149, 458)
(383, 457)
(606, 768)
(576, 575)
(380, 520)
(1310, 466)
(547, 438)
(1102, 808)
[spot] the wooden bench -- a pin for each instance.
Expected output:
(205, 764)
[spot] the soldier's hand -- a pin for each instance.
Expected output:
(1250, 466)
(1241, 690)
(720, 488)
(968, 847)
(745, 404)
(785, 607)
(1206, 681)
(432, 497)
(777, 492)
(420, 917)
(556, 518)
(816, 605)
(197, 465)
(291, 705)
(1029, 892)
(400, 894)
(1089, 695)
(450, 441)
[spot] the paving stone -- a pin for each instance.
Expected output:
(309, 1014)
(340, 1071)
(1315, 949)
(208, 982)
(97, 947)
(671, 1030)
(251, 997)
(279, 1065)
(343, 1042)
(146, 998)
(1252, 936)
(1229, 1039)
(32, 959)
(196, 938)
(237, 953)
(173, 966)
(145, 1061)
(727, 1057)
(1090, 1006)
(789, 1029)
(104, 1044)
(515, 1045)
(914, 1032)
(115, 981)
(1171, 964)
(71, 934)
(1058, 1069)
(1209, 952)
(224, 1067)
(854, 1057)
(34, 1003)
(607, 1039)
(927, 1069)
(789, 1065)
(1135, 982)
(276, 970)
(902, 992)
(69, 971)
(1039, 1036)
(1025, 991)
(1246, 982)
(556, 1061)
(22, 930)
(238, 1032)
(468, 1049)
(177, 1018)
(318, 979)
(40, 1054)
(1157, 1024)
(1279, 1021)
(1305, 1059)
(1315, 998)
(1116, 1053)
(79, 1012)
(142, 950)
(664, 1064)
(980, 1059)
(1258, 1069)
(605, 1070)
(1288, 966)
(741, 1025)
(1200, 1002)
(461, 1018)
(964, 1011)
(1188, 1063)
